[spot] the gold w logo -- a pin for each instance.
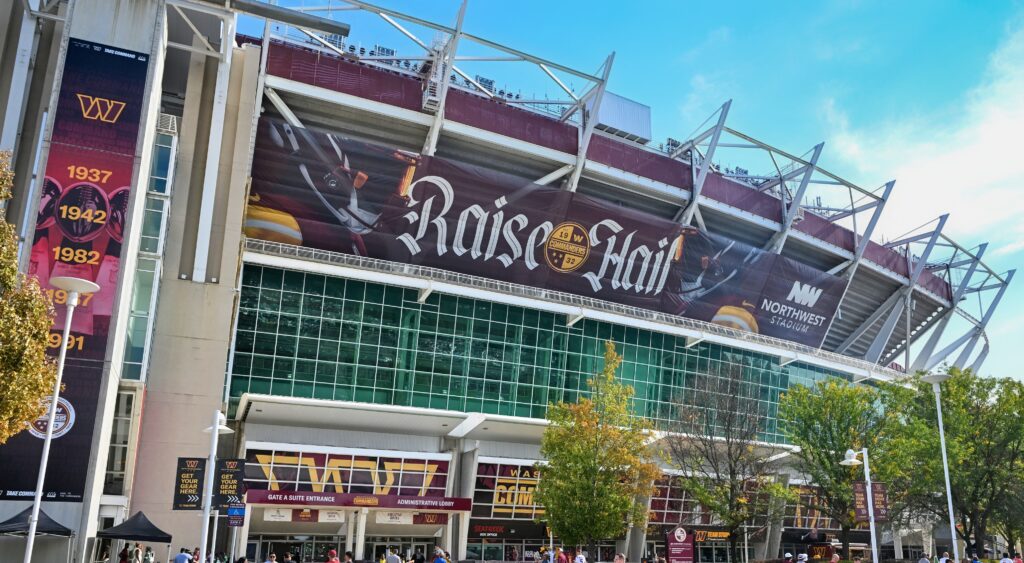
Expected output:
(191, 463)
(231, 465)
(102, 109)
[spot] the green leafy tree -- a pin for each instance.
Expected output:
(719, 446)
(824, 421)
(26, 372)
(599, 465)
(985, 445)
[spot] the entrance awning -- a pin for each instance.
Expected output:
(346, 415)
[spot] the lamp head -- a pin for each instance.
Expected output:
(850, 458)
(935, 378)
(76, 285)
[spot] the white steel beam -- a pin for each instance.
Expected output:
(924, 356)
(882, 338)
(590, 117)
(685, 215)
(980, 359)
(545, 180)
(204, 230)
(790, 211)
(442, 61)
(961, 360)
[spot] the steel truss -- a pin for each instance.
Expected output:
(440, 67)
(799, 183)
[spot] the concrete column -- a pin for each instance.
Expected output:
(463, 534)
(897, 542)
(446, 533)
(774, 531)
(242, 535)
(351, 530)
(360, 540)
(635, 541)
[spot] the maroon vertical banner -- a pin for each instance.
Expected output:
(860, 502)
(679, 545)
(82, 213)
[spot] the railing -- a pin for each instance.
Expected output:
(498, 286)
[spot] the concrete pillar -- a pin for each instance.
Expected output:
(774, 531)
(897, 542)
(242, 534)
(636, 541)
(351, 529)
(463, 534)
(446, 533)
(360, 533)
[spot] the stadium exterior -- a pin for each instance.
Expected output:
(386, 365)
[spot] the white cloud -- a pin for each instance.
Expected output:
(970, 165)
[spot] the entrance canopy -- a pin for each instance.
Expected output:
(136, 528)
(17, 525)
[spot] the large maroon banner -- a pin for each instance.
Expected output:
(79, 229)
(318, 189)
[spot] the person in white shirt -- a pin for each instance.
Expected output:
(944, 558)
(581, 559)
(1006, 558)
(924, 559)
(183, 557)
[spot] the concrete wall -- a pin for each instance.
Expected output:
(193, 320)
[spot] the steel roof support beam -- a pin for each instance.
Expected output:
(204, 230)
(924, 356)
(442, 61)
(980, 359)
(978, 331)
(850, 268)
(590, 118)
(882, 338)
(685, 215)
(790, 211)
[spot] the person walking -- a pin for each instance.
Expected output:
(332, 557)
(137, 553)
(1006, 558)
(392, 556)
(439, 555)
(183, 556)
(944, 558)
(580, 558)
(271, 558)
(787, 558)
(148, 556)
(924, 559)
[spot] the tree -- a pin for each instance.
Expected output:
(824, 421)
(718, 446)
(984, 443)
(598, 462)
(27, 374)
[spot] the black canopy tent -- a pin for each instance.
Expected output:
(138, 528)
(17, 525)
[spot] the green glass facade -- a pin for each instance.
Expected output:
(309, 335)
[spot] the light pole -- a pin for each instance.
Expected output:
(936, 379)
(215, 430)
(73, 287)
(851, 459)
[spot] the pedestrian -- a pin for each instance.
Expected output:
(620, 558)
(349, 558)
(944, 558)
(1017, 559)
(183, 556)
(562, 557)
(1006, 558)
(580, 558)
(924, 559)
(439, 555)
(242, 559)
(195, 555)
(787, 558)
(149, 556)
(137, 553)
(288, 557)
(271, 558)
(392, 556)
(332, 556)
(835, 558)
(122, 557)
(856, 560)
(802, 558)
(418, 557)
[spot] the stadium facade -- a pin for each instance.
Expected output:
(384, 268)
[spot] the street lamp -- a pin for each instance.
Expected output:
(850, 460)
(936, 379)
(74, 287)
(218, 427)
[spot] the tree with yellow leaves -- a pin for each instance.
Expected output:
(599, 467)
(27, 373)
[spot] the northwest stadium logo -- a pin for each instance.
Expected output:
(804, 294)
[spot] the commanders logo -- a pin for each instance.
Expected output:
(567, 248)
(680, 534)
(62, 423)
(100, 109)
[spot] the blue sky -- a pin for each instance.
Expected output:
(930, 94)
